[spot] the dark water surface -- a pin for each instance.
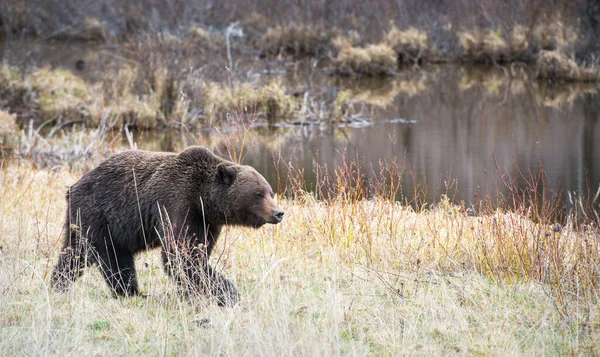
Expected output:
(448, 123)
(451, 126)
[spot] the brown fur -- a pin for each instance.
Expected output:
(139, 200)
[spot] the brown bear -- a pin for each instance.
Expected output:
(139, 200)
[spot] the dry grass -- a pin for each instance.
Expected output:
(61, 93)
(141, 109)
(46, 94)
(207, 39)
(518, 39)
(58, 95)
(495, 46)
(7, 123)
(556, 66)
(492, 31)
(410, 45)
(268, 99)
(8, 130)
(372, 61)
(73, 146)
(554, 35)
(339, 277)
(130, 18)
(297, 41)
(521, 44)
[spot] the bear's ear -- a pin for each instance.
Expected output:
(226, 174)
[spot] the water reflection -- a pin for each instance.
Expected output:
(446, 122)
(451, 128)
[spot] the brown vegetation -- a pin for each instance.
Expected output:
(553, 34)
(58, 95)
(502, 280)
(410, 45)
(47, 94)
(495, 46)
(207, 39)
(8, 130)
(556, 66)
(165, 70)
(126, 18)
(490, 30)
(444, 278)
(297, 41)
(89, 30)
(373, 60)
(270, 100)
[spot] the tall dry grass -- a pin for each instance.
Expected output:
(350, 271)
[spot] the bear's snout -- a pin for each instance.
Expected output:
(278, 214)
(276, 217)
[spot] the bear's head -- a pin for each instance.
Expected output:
(249, 199)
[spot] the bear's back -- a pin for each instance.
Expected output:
(119, 175)
(110, 193)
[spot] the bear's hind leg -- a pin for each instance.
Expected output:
(118, 269)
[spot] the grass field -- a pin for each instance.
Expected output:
(337, 277)
(350, 270)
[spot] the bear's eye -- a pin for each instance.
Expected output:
(260, 195)
(272, 195)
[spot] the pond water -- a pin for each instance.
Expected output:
(450, 124)
(448, 130)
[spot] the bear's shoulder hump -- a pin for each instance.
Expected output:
(198, 154)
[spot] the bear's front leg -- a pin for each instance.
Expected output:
(193, 274)
(223, 290)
